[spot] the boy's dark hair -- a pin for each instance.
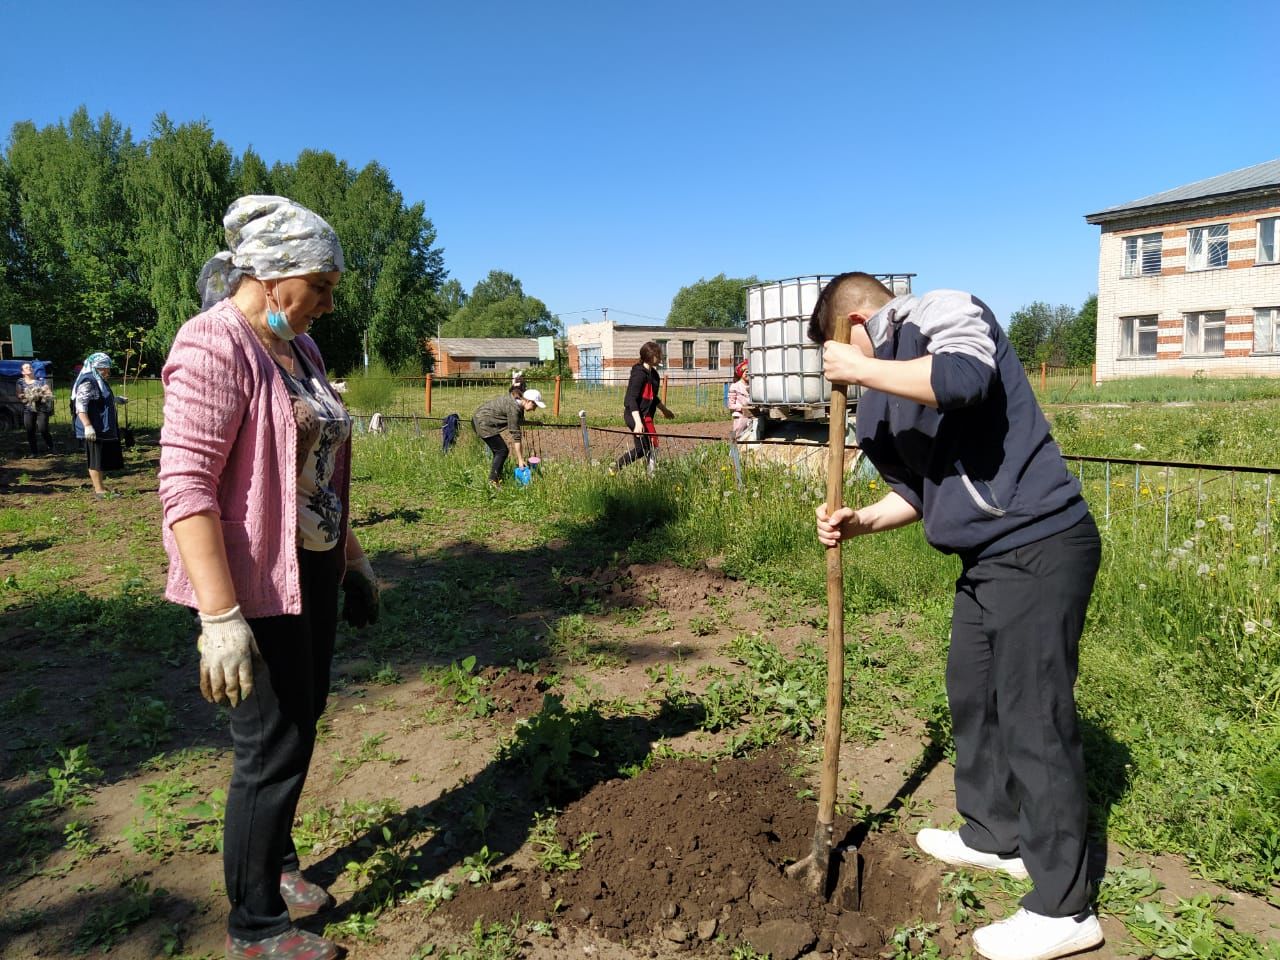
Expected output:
(867, 288)
(651, 353)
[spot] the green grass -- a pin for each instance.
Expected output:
(1180, 688)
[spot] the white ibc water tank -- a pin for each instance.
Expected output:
(786, 367)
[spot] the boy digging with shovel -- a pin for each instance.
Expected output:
(948, 418)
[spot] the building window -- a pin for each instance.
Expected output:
(662, 345)
(1266, 330)
(488, 364)
(686, 354)
(1138, 336)
(1269, 240)
(1207, 247)
(713, 354)
(1206, 333)
(737, 353)
(1142, 255)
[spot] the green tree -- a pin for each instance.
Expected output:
(79, 230)
(1029, 330)
(250, 175)
(1080, 338)
(179, 186)
(718, 302)
(499, 307)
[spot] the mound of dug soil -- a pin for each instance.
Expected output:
(690, 851)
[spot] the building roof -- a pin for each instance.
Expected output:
(488, 346)
(1259, 178)
(668, 332)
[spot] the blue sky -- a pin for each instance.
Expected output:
(608, 154)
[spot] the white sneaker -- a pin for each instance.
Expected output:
(1033, 936)
(946, 845)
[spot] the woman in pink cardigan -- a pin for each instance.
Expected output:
(254, 473)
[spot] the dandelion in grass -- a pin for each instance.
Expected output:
(871, 485)
(1202, 570)
(1266, 623)
(1142, 586)
(1250, 628)
(1144, 490)
(1228, 526)
(1199, 524)
(1188, 544)
(1139, 447)
(1253, 560)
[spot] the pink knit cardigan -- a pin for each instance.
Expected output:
(228, 447)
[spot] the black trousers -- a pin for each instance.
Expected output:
(641, 446)
(1011, 670)
(498, 446)
(33, 421)
(273, 733)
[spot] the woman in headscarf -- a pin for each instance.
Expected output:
(739, 400)
(95, 419)
(254, 474)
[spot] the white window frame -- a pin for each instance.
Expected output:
(662, 345)
(713, 354)
(686, 355)
(1131, 330)
(737, 353)
(488, 364)
(1142, 255)
(1269, 237)
(1199, 328)
(1201, 244)
(1266, 330)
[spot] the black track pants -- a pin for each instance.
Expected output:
(1011, 671)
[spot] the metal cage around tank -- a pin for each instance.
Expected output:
(785, 366)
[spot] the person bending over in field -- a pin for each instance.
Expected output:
(947, 416)
(504, 413)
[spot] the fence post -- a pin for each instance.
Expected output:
(737, 462)
(1093, 374)
(586, 443)
(1044, 370)
(665, 381)
(556, 411)
(427, 387)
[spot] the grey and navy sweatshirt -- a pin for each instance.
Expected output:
(981, 469)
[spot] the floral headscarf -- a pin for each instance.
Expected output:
(90, 369)
(269, 238)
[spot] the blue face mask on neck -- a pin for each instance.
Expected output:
(278, 324)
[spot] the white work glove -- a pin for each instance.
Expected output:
(227, 649)
(90, 434)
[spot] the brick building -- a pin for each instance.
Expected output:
(455, 355)
(604, 352)
(1189, 279)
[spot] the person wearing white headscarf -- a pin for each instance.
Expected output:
(95, 421)
(254, 484)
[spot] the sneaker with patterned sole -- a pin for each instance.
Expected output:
(293, 944)
(302, 896)
(1033, 936)
(946, 845)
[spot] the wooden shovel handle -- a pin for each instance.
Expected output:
(835, 595)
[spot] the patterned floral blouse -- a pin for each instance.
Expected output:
(323, 427)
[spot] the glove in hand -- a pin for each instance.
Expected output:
(90, 434)
(227, 649)
(361, 601)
